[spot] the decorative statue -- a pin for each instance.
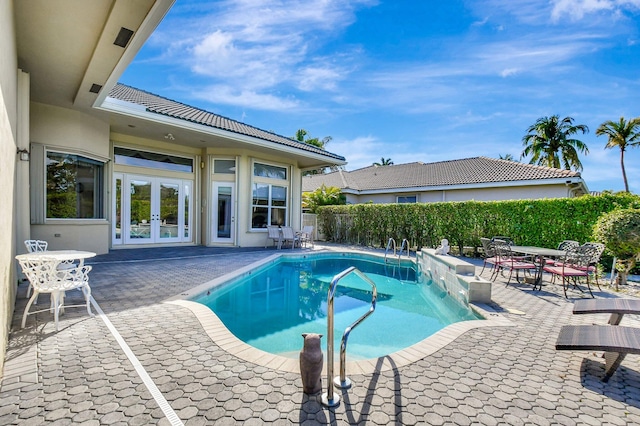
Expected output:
(311, 361)
(443, 248)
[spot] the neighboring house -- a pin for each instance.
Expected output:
(90, 164)
(478, 178)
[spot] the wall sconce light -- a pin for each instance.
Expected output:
(24, 154)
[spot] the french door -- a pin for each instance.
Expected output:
(224, 194)
(156, 210)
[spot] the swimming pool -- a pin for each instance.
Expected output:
(270, 307)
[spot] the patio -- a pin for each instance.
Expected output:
(83, 374)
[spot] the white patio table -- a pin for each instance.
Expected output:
(45, 276)
(59, 255)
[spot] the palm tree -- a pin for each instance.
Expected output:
(302, 136)
(384, 162)
(507, 157)
(549, 143)
(622, 134)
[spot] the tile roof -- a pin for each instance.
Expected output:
(467, 171)
(160, 105)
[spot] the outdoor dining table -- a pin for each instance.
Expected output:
(540, 253)
(59, 255)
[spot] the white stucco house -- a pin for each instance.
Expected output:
(90, 164)
(477, 178)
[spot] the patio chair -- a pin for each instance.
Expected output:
(306, 235)
(595, 250)
(564, 245)
(615, 341)
(572, 268)
(488, 254)
(274, 234)
(34, 246)
(506, 260)
(289, 236)
(508, 240)
(44, 276)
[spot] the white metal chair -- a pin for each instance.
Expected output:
(34, 246)
(45, 277)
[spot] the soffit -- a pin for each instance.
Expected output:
(67, 45)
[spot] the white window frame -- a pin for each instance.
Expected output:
(406, 196)
(270, 182)
(100, 198)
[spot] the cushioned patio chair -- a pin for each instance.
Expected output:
(572, 268)
(564, 245)
(488, 254)
(595, 250)
(508, 261)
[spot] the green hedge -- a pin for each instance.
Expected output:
(543, 223)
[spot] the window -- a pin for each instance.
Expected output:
(132, 157)
(224, 167)
(269, 196)
(75, 186)
(407, 199)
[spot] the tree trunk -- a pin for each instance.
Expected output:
(624, 173)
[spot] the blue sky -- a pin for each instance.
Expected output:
(404, 79)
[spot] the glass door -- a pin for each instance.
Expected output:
(223, 212)
(155, 210)
(139, 209)
(169, 211)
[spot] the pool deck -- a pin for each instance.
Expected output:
(141, 360)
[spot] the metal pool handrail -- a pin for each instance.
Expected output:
(392, 243)
(329, 399)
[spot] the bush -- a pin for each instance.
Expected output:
(543, 223)
(323, 196)
(619, 231)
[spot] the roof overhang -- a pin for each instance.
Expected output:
(133, 119)
(67, 46)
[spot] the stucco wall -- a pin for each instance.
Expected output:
(478, 194)
(245, 236)
(8, 125)
(65, 129)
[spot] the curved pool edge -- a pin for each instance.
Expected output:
(220, 335)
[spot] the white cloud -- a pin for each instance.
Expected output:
(577, 9)
(508, 72)
(224, 94)
(260, 45)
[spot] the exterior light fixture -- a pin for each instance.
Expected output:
(24, 154)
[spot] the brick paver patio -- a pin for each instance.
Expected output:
(488, 375)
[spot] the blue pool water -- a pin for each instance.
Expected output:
(271, 307)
